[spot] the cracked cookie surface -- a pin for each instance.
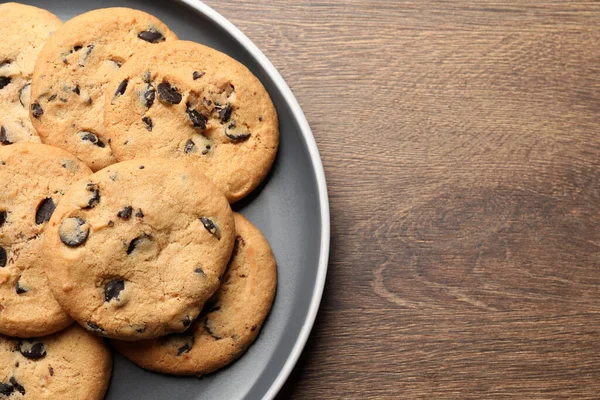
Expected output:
(230, 321)
(69, 365)
(33, 180)
(183, 100)
(73, 69)
(24, 30)
(126, 244)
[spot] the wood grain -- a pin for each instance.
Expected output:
(461, 144)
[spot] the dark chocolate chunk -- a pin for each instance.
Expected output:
(209, 329)
(19, 388)
(6, 389)
(51, 371)
(152, 36)
(148, 122)
(211, 227)
(187, 321)
(139, 213)
(4, 80)
(77, 48)
(140, 330)
(253, 328)
(95, 199)
(36, 110)
(142, 167)
(168, 93)
(125, 213)
(21, 92)
(76, 90)
(20, 289)
(121, 88)
(64, 100)
(237, 137)
(200, 271)
(232, 125)
(112, 289)
(198, 75)
(239, 241)
(225, 113)
(206, 149)
(149, 96)
(73, 233)
(184, 349)
(32, 349)
(189, 146)
(260, 118)
(3, 215)
(3, 138)
(94, 327)
(135, 242)
(52, 98)
(2, 257)
(198, 120)
(44, 211)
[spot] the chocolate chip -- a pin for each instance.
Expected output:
(142, 167)
(168, 93)
(237, 137)
(189, 146)
(198, 120)
(94, 327)
(260, 118)
(206, 149)
(52, 98)
(121, 88)
(77, 48)
(225, 113)
(51, 371)
(111, 223)
(6, 389)
(17, 364)
(140, 330)
(22, 93)
(186, 321)
(2, 257)
(148, 122)
(253, 328)
(209, 330)
(200, 271)
(139, 213)
(211, 227)
(3, 138)
(44, 211)
(64, 100)
(232, 125)
(32, 349)
(36, 110)
(4, 80)
(3, 215)
(125, 213)
(152, 36)
(91, 137)
(135, 242)
(73, 233)
(198, 75)
(19, 388)
(76, 90)
(149, 96)
(95, 199)
(184, 349)
(239, 241)
(112, 289)
(20, 289)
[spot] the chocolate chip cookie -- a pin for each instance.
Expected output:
(183, 100)
(69, 365)
(137, 248)
(24, 30)
(228, 324)
(73, 69)
(33, 180)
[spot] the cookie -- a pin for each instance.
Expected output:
(33, 179)
(71, 364)
(229, 323)
(183, 100)
(136, 249)
(73, 69)
(24, 30)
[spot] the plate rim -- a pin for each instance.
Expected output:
(317, 164)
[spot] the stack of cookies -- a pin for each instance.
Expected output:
(121, 150)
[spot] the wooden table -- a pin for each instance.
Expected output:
(461, 143)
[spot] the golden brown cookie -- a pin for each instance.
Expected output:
(183, 100)
(229, 323)
(136, 249)
(69, 365)
(33, 180)
(24, 30)
(73, 69)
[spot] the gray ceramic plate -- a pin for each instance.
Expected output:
(290, 208)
